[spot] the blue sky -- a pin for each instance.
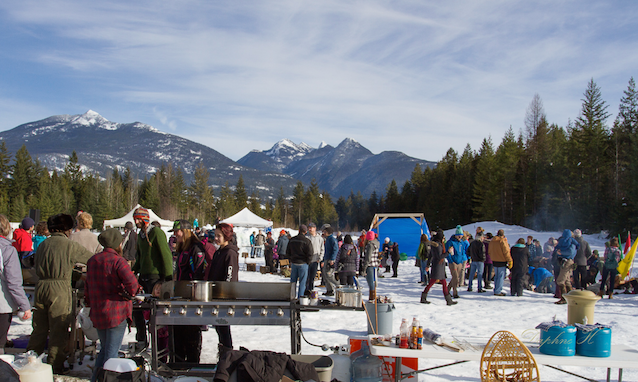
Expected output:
(413, 76)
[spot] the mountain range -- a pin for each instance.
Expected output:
(102, 145)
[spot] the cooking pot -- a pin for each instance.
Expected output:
(349, 297)
(200, 290)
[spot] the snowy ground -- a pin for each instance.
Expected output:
(476, 315)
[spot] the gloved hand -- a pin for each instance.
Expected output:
(510, 264)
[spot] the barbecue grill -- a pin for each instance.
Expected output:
(231, 303)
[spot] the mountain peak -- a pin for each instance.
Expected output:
(93, 118)
(322, 144)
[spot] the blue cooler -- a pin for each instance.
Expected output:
(593, 340)
(557, 338)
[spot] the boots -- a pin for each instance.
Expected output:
(448, 299)
(563, 291)
(424, 298)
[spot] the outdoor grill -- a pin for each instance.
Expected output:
(231, 303)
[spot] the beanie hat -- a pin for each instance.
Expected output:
(142, 214)
(27, 223)
(111, 238)
(370, 235)
(459, 230)
(578, 233)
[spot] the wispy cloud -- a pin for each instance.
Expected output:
(413, 76)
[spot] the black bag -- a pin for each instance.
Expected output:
(138, 375)
(7, 372)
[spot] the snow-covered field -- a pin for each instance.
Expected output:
(477, 316)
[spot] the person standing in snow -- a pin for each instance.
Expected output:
(269, 246)
(299, 252)
(330, 255)
(129, 245)
(580, 260)
(476, 253)
(489, 266)
(565, 252)
(423, 254)
(347, 261)
(499, 251)
(436, 264)
(387, 247)
(252, 244)
(41, 233)
(282, 244)
(611, 259)
(259, 242)
(520, 263)
(23, 243)
(371, 261)
(456, 249)
(317, 256)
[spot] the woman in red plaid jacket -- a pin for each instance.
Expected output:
(110, 285)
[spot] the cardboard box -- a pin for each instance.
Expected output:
(251, 267)
(264, 269)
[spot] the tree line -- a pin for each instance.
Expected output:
(546, 177)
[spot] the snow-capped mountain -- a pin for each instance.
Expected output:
(349, 167)
(102, 145)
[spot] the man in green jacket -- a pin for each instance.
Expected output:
(153, 263)
(54, 262)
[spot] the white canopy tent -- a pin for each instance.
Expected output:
(119, 223)
(246, 218)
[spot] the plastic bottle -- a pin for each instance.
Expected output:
(367, 368)
(405, 334)
(419, 338)
(413, 332)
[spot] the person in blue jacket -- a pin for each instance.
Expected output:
(456, 248)
(542, 279)
(565, 252)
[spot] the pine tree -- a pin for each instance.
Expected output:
(298, 202)
(201, 195)
(23, 176)
(485, 191)
(241, 197)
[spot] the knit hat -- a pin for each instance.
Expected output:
(60, 223)
(459, 230)
(142, 214)
(180, 224)
(578, 233)
(27, 223)
(111, 238)
(370, 235)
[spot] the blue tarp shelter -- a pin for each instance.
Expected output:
(403, 228)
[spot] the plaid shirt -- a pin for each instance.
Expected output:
(108, 277)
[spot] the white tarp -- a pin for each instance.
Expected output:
(245, 218)
(118, 223)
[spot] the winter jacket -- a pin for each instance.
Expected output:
(262, 366)
(331, 248)
(476, 251)
(37, 240)
(260, 239)
(87, 239)
(269, 245)
(548, 247)
(460, 250)
(436, 262)
(191, 264)
(583, 253)
(539, 274)
(348, 257)
(129, 245)
(423, 253)
(499, 251)
(613, 256)
(567, 245)
(22, 240)
(299, 250)
(317, 247)
(12, 295)
(153, 256)
(108, 278)
(225, 264)
(282, 244)
(520, 258)
(486, 244)
(371, 254)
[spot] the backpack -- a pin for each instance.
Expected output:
(424, 255)
(611, 262)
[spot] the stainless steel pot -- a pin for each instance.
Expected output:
(200, 290)
(349, 297)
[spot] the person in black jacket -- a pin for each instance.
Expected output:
(476, 252)
(299, 252)
(520, 259)
(436, 263)
(224, 267)
(129, 245)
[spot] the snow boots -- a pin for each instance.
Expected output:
(448, 299)
(424, 298)
(563, 291)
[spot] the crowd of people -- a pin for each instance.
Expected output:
(119, 266)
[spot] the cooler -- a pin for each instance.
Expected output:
(593, 340)
(558, 340)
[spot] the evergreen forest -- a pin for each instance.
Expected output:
(545, 177)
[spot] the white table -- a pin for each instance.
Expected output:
(621, 357)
